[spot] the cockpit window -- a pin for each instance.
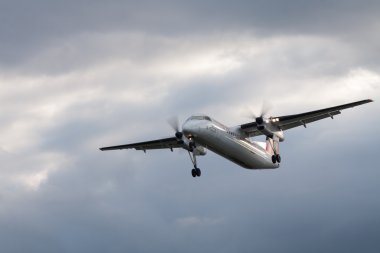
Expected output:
(200, 118)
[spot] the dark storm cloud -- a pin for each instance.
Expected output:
(77, 75)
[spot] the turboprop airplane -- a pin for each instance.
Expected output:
(201, 132)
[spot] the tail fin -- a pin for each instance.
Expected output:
(272, 146)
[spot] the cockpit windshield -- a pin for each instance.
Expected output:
(200, 117)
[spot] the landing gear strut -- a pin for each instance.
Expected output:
(274, 145)
(191, 146)
(196, 172)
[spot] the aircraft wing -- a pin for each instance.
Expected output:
(302, 119)
(169, 143)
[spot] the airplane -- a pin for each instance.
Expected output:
(201, 133)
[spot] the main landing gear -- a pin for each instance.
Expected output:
(196, 172)
(276, 158)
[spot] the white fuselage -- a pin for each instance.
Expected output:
(230, 143)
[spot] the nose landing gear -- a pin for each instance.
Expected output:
(196, 172)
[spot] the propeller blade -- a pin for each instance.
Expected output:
(174, 123)
(248, 113)
(265, 108)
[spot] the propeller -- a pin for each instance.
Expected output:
(174, 123)
(265, 108)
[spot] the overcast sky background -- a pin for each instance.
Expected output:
(78, 75)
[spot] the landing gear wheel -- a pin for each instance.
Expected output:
(278, 158)
(274, 158)
(193, 172)
(198, 172)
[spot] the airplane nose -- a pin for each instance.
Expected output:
(186, 128)
(189, 128)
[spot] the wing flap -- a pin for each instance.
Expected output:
(291, 121)
(169, 143)
(305, 121)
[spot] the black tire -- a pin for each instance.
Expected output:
(274, 159)
(278, 158)
(193, 172)
(198, 172)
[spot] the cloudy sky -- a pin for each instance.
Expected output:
(78, 75)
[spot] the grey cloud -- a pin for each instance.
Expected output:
(27, 28)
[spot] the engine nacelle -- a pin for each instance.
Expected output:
(191, 146)
(199, 150)
(269, 133)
